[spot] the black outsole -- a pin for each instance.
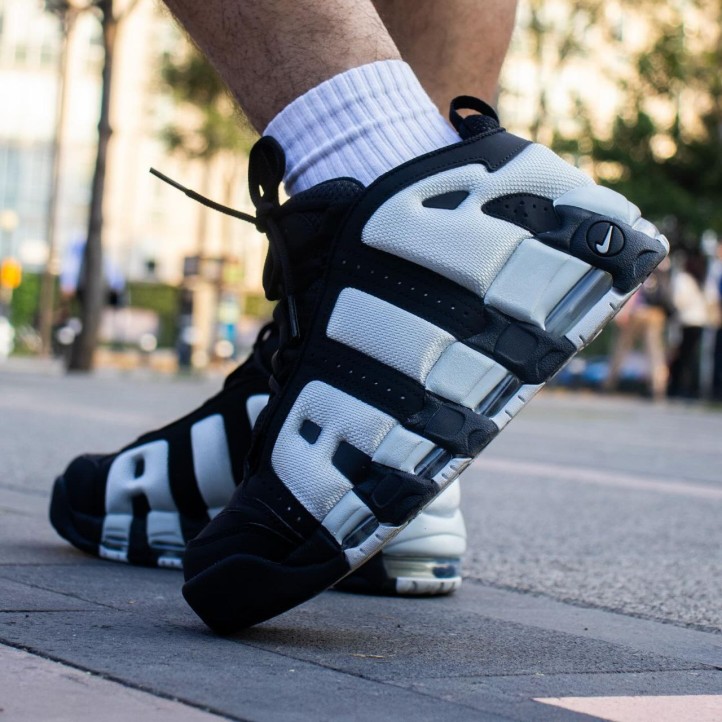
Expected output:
(61, 517)
(220, 594)
(371, 579)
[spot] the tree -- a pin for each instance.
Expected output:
(664, 148)
(67, 13)
(553, 35)
(92, 279)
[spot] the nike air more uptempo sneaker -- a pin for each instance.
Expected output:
(417, 317)
(142, 504)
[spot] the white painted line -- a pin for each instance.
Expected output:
(692, 708)
(33, 688)
(601, 478)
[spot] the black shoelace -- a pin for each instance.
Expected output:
(266, 167)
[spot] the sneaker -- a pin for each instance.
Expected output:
(417, 318)
(142, 504)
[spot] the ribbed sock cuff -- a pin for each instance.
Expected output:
(360, 123)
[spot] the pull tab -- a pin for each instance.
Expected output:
(472, 125)
(266, 166)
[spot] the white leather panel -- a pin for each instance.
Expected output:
(254, 405)
(212, 461)
(307, 469)
(464, 244)
(402, 449)
(123, 485)
(534, 280)
(464, 375)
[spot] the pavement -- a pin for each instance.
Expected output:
(593, 582)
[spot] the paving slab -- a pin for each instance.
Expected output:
(33, 688)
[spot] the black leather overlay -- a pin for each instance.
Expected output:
(455, 428)
(535, 213)
(447, 201)
(527, 351)
(394, 496)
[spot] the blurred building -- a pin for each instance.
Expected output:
(149, 227)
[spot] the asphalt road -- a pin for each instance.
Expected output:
(594, 572)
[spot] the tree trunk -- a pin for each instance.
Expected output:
(47, 288)
(92, 277)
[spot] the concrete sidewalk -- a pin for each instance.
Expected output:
(594, 580)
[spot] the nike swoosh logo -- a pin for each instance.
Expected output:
(604, 246)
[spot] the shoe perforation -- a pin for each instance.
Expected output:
(341, 368)
(417, 295)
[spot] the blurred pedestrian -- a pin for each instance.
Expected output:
(714, 280)
(691, 313)
(644, 319)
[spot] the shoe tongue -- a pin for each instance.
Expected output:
(308, 223)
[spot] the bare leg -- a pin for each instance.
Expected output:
(627, 332)
(270, 52)
(655, 324)
(455, 47)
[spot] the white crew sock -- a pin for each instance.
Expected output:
(360, 123)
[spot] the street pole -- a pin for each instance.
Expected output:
(47, 288)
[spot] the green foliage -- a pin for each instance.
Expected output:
(664, 149)
(24, 304)
(682, 192)
(158, 297)
(214, 123)
(257, 305)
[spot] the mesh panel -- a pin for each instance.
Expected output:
(465, 245)
(387, 333)
(306, 469)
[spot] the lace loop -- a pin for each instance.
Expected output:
(484, 121)
(266, 167)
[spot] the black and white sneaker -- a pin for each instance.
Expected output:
(142, 504)
(422, 314)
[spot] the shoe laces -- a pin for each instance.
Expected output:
(266, 167)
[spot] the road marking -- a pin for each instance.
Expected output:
(601, 478)
(700, 708)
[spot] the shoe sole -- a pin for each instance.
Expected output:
(61, 517)
(396, 576)
(584, 310)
